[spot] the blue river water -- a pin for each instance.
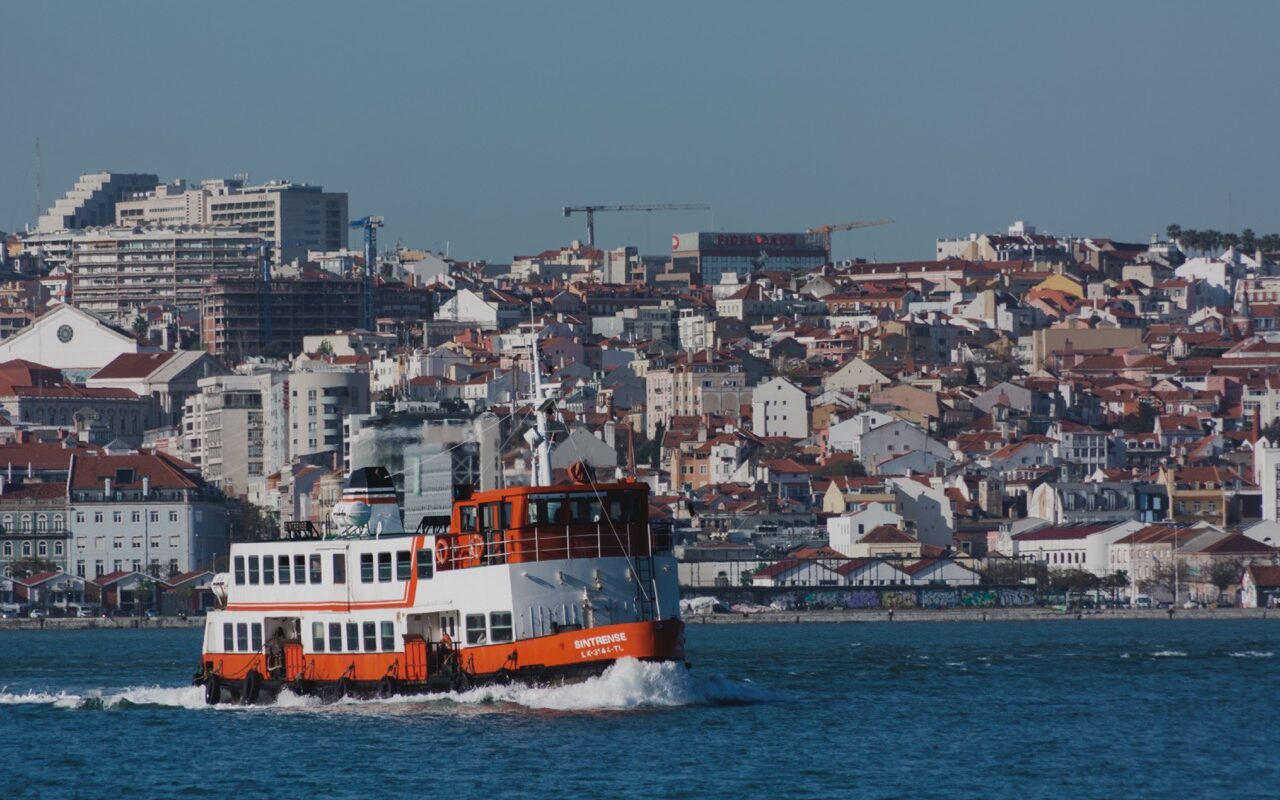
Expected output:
(1130, 709)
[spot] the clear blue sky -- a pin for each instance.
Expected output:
(474, 123)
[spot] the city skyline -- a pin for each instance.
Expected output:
(449, 122)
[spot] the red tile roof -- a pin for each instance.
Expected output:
(133, 365)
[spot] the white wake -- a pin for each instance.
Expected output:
(628, 684)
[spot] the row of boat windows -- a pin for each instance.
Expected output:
(303, 569)
(570, 509)
(368, 637)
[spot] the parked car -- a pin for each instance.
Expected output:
(151, 613)
(1143, 601)
(38, 613)
(85, 612)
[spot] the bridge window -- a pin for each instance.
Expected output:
(388, 636)
(339, 568)
(268, 574)
(425, 567)
(317, 637)
(403, 565)
(384, 567)
(370, 637)
(299, 569)
(467, 518)
(253, 570)
(335, 637)
(366, 567)
(585, 510)
(316, 577)
(545, 510)
(500, 626)
(475, 629)
(283, 563)
(239, 560)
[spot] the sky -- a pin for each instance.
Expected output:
(469, 125)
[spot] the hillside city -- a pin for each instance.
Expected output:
(1027, 418)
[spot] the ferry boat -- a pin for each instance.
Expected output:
(540, 583)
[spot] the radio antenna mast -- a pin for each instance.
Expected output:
(39, 187)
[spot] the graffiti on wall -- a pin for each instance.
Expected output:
(938, 598)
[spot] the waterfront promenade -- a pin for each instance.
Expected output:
(977, 615)
(759, 618)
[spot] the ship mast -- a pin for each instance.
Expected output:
(539, 438)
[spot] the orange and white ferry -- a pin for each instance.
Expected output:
(535, 583)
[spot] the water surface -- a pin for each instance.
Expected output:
(948, 710)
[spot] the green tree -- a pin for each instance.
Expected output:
(140, 326)
(1225, 573)
(655, 457)
(1173, 232)
(841, 468)
(325, 349)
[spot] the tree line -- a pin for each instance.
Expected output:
(1211, 241)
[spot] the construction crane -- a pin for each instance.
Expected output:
(590, 211)
(827, 230)
(370, 225)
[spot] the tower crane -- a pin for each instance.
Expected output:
(590, 211)
(370, 225)
(827, 230)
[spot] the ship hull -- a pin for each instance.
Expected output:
(565, 657)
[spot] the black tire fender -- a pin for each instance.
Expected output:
(213, 689)
(387, 686)
(252, 687)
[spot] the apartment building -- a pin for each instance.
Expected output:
(235, 429)
(319, 401)
(296, 217)
(117, 271)
(142, 512)
(92, 200)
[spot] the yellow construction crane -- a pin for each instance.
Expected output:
(827, 230)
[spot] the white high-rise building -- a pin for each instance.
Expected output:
(92, 201)
(297, 217)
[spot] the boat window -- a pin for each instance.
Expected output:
(585, 510)
(467, 518)
(475, 629)
(253, 570)
(545, 510)
(500, 626)
(242, 636)
(228, 637)
(425, 566)
(317, 637)
(268, 574)
(315, 568)
(299, 569)
(353, 637)
(370, 637)
(283, 566)
(622, 507)
(339, 568)
(403, 565)
(256, 629)
(486, 516)
(384, 567)
(335, 637)
(366, 567)
(504, 515)
(239, 570)
(388, 636)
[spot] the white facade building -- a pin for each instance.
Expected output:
(780, 408)
(142, 512)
